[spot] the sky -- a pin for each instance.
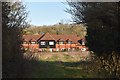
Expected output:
(47, 13)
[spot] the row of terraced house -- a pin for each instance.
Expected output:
(54, 42)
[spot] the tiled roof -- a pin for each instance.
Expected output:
(83, 39)
(74, 38)
(47, 36)
(66, 37)
(30, 37)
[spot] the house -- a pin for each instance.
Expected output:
(54, 42)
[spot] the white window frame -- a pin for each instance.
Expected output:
(42, 43)
(33, 42)
(61, 42)
(51, 43)
(24, 42)
(69, 42)
(83, 43)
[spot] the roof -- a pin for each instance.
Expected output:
(47, 36)
(66, 37)
(83, 39)
(73, 37)
(30, 37)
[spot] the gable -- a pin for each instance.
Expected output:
(47, 36)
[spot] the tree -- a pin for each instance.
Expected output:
(103, 32)
(13, 21)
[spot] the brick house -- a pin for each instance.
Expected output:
(54, 42)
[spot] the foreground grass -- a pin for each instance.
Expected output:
(47, 69)
(53, 67)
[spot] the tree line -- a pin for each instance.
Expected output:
(80, 29)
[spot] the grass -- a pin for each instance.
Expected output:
(58, 70)
(62, 56)
(60, 66)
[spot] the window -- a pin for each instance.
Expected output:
(51, 43)
(24, 42)
(60, 42)
(83, 43)
(83, 49)
(32, 42)
(42, 43)
(69, 42)
(63, 49)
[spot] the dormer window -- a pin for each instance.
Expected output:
(83, 43)
(24, 42)
(69, 42)
(61, 42)
(33, 42)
